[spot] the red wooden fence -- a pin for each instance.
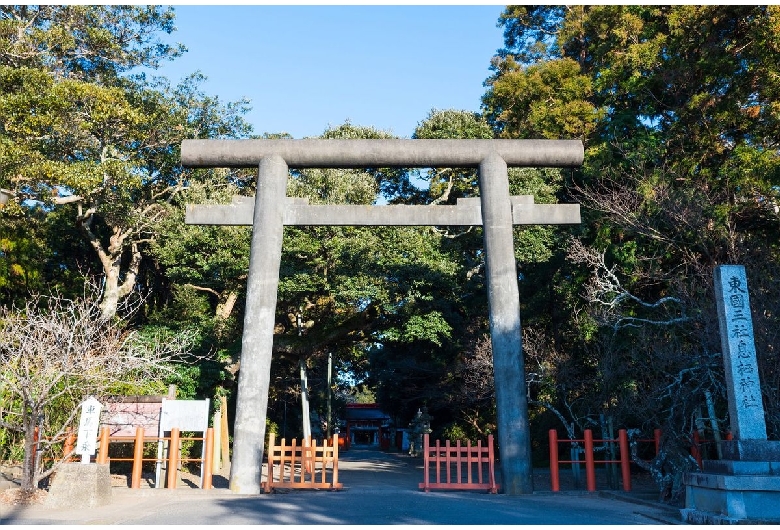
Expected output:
(465, 468)
(590, 461)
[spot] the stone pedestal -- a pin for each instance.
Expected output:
(79, 485)
(744, 488)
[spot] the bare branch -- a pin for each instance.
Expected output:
(55, 350)
(605, 289)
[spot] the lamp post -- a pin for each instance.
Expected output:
(420, 425)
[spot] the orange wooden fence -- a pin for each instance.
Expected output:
(465, 467)
(299, 465)
(173, 459)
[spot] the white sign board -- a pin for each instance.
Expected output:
(185, 415)
(86, 441)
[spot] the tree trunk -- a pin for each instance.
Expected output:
(111, 260)
(110, 300)
(226, 305)
(28, 482)
(305, 402)
(114, 291)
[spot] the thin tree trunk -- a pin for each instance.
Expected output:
(305, 402)
(28, 466)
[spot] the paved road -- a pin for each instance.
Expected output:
(379, 488)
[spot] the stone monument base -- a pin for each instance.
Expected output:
(744, 488)
(79, 485)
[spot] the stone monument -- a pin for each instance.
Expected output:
(744, 487)
(82, 485)
(495, 210)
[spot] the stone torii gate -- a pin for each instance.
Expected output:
(495, 210)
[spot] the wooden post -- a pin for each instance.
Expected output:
(555, 480)
(138, 458)
(207, 459)
(695, 448)
(70, 444)
(469, 461)
(105, 434)
(590, 466)
(173, 458)
(335, 477)
(625, 459)
(271, 451)
(657, 440)
(491, 464)
(448, 461)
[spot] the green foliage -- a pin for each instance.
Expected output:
(446, 185)
(79, 130)
(82, 41)
(464, 433)
(547, 100)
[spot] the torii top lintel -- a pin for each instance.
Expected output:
(382, 153)
(360, 153)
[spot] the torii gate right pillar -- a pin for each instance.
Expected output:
(505, 336)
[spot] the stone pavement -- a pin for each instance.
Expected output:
(379, 488)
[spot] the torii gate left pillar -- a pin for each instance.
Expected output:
(495, 210)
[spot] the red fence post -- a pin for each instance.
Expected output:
(271, 453)
(590, 466)
(695, 451)
(173, 458)
(447, 459)
(555, 481)
(105, 434)
(138, 455)
(625, 459)
(335, 455)
(70, 444)
(491, 466)
(208, 459)
(657, 440)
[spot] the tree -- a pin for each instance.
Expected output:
(680, 175)
(56, 352)
(79, 131)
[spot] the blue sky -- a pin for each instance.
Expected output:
(305, 67)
